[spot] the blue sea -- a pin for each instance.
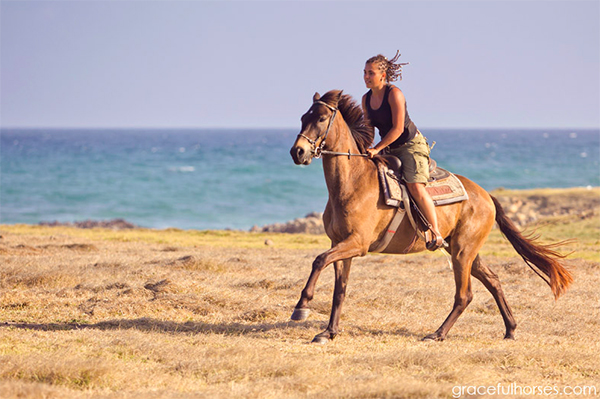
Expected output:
(226, 178)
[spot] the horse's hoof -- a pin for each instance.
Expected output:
(509, 337)
(300, 314)
(320, 340)
(432, 337)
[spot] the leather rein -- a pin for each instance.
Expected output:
(318, 151)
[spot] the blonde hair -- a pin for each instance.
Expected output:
(392, 68)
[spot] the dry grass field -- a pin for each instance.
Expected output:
(176, 314)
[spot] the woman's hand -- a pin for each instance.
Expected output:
(371, 152)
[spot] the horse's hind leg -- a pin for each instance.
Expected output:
(490, 280)
(342, 271)
(462, 298)
(462, 259)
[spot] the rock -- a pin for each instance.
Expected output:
(269, 243)
(115, 224)
(160, 286)
(310, 224)
(316, 215)
(527, 209)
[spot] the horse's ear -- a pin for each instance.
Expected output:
(340, 95)
(337, 96)
(316, 97)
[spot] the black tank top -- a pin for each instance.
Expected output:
(381, 118)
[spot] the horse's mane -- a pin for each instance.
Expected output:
(353, 115)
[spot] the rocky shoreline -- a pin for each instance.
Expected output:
(114, 224)
(527, 209)
(522, 207)
(312, 223)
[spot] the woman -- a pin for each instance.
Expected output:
(385, 107)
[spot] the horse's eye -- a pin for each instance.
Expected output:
(322, 119)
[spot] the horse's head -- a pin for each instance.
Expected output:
(316, 123)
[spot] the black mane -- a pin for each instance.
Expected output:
(353, 115)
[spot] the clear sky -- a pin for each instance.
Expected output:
(257, 64)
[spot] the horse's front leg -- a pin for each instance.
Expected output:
(346, 249)
(342, 271)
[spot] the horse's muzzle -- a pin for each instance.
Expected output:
(301, 155)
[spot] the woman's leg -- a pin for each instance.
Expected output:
(415, 172)
(425, 203)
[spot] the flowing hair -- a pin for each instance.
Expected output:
(392, 68)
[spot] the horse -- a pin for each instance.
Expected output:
(356, 219)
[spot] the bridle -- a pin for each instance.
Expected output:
(318, 151)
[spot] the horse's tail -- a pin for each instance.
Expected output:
(542, 259)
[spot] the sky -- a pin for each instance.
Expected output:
(257, 64)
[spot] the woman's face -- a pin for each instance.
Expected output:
(373, 76)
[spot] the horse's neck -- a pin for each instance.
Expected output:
(343, 173)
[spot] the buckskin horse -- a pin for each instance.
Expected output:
(356, 219)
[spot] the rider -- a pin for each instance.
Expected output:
(385, 107)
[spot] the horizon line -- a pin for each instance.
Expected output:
(279, 128)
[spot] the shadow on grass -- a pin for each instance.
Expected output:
(153, 325)
(192, 327)
(397, 332)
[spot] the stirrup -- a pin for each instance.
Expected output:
(437, 242)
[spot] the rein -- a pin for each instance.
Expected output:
(318, 151)
(348, 154)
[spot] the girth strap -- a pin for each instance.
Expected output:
(395, 223)
(391, 231)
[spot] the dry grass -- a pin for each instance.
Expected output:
(174, 314)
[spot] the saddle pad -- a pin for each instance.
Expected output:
(445, 189)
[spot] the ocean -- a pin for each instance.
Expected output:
(239, 178)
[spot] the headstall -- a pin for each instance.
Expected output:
(318, 150)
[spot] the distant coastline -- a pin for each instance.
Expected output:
(216, 179)
(524, 207)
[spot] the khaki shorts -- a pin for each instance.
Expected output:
(415, 159)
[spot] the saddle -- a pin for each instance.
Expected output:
(444, 187)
